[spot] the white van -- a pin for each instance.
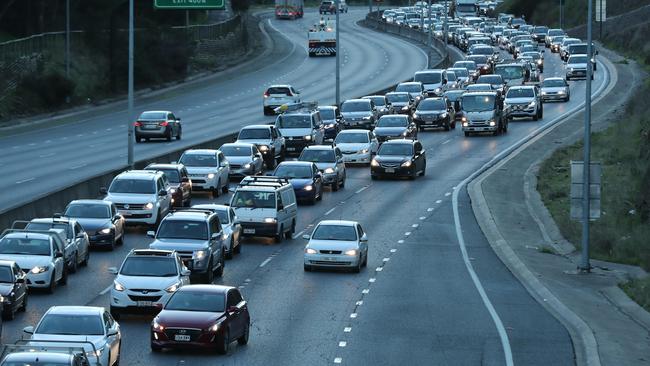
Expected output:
(266, 206)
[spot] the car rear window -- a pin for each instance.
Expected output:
(355, 106)
(71, 324)
(278, 90)
(318, 156)
(428, 77)
(153, 115)
(47, 226)
(24, 246)
(327, 114)
(432, 105)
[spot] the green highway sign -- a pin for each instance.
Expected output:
(189, 4)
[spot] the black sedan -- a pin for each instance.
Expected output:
(105, 227)
(434, 112)
(399, 158)
(13, 289)
(395, 126)
(401, 102)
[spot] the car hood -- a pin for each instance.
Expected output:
(392, 158)
(257, 141)
(149, 282)
(246, 214)
(399, 104)
(130, 198)
(300, 182)
(329, 121)
(353, 146)
(483, 115)
(187, 319)
(518, 100)
(91, 225)
(431, 113)
(184, 245)
(201, 170)
(355, 115)
(332, 244)
(432, 86)
(97, 340)
(553, 89)
(293, 132)
(576, 66)
(6, 288)
(27, 262)
(389, 131)
(239, 160)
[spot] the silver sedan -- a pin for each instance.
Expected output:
(245, 159)
(230, 226)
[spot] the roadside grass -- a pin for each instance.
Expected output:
(639, 290)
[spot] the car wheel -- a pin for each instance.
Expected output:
(222, 266)
(224, 189)
(138, 139)
(447, 126)
(278, 235)
(169, 136)
(504, 129)
(424, 169)
(64, 278)
(209, 274)
(335, 185)
(9, 314)
(216, 191)
(536, 116)
(243, 340)
(365, 260)
(357, 268)
(75, 263)
(86, 258)
(466, 133)
(320, 193)
(231, 250)
(373, 177)
(23, 306)
(115, 313)
(237, 248)
(178, 136)
(307, 268)
(50, 289)
(453, 125)
(289, 234)
(223, 343)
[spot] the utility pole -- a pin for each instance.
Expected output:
(130, 87)
(585, 266)
(430, 29)
(338, 57)
(445, 25)
(369, 7)
(67, 44)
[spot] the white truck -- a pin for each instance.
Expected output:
(322, 39)
(289, 9)
(464, 8)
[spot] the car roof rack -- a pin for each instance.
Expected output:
(52, 231)
(263, 180)
(191, 209)
(57, 346)
(153, 252)
(293, 107)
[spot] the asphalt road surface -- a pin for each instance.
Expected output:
(415, 303)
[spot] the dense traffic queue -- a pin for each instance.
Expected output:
(268, 173)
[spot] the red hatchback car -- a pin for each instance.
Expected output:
(202, 316)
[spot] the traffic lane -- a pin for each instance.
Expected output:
(207, 123)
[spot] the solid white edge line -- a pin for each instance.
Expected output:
(503, 335)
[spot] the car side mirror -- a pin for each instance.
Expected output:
(111, 333)
(185, 272)
(112, 270)
(223, 164)
(151, 233)
(103, 190)
(280, 207)
(162, 192)
(58, 254)
(306, 237)
(233, 309)
(20, 280)
(214, 236)
(117, 217)
(185, 180)
(364, 238)
(178, 119)
(29, 330)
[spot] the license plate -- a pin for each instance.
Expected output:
(182, 338)
(428, 122)
(150, 127)
(390, 170)
(144, 304)
(291, 149)
(249, 231)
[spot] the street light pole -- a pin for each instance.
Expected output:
(586, 164)
(445, 25)
(338, 59)
(430, 25)
(67, 39)
(130, 87)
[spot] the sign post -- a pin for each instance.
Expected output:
(601, 15)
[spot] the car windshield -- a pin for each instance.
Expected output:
(318, 156)
(293, 171)
(335, 232)
(183, 229)
(6, 275)
(199, 160)
(136, 186)
(460, 72)
(254, 134)
(520, 93)
(71, 324)
(454, 95)
(479, 87)
(153, 115)
(451, 76)
(149, 266)
(577, 60)
(541, 30)
(479, 59)
(396, 149)
(409, 88)
(489, 79)
(197, 301)
(398, 98)
(432, 105)
(351, 138)
(428, 77)
(578, 49)
(236, 150)
(253, 199)
(171, 174)
(393, 121)
(477, 103)
(469, 65)
(557, 39)
(327, 114)
(294, 121)
(553, 83)
(378, 100)
(25, 246)
(88, 211)
(510, 72)
(533, 55)
(51, 225)
(223, 216)
(483, 51)
(358, 106)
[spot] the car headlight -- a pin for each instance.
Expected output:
(405, 108)
(532, 104)
(329, 171)
(485, 67)
(156, 326)
(331, 125)
(438, 90)
(148, 206)
(211, 175)
(95, 353)
(40, 269)
(443, 115)
(374, 162)
(173, 287)
(539, 62)
(492, 123)
(351, 252)
(463, 119)
(263, 148)
(199, 254)
(270, 220)
(308, 187)
(247, 166)
(105, 231)
(416, 115)
(118, 286)
(406, 164)
(311, 251)
(172, 190)
(367, 118)
(363, 151)
(308, 137)
(465, 124)
(215, 327)
(561, 92)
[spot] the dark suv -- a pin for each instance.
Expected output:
(180, 185)
(327, 7)
(197, 237)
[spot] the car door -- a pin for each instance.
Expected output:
(296, 95)
(113, 341)
(235, 226)
(319, 130)
(20, 285)
(363, 245)
(340, 165)
(315, 173)
(374, 144)
(171, 119)
(276, 141)
(59, 263)
(117, 220)
(281, 210)
(165, 201)
(215, 244)
(224, 167)
(257, 159)
(419, 155)
(82, 237)
(186, 184)
(235, 318)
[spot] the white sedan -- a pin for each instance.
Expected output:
(357, 146)
(336, 244)
(88, 327)
(231, 227)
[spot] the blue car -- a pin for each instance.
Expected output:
(305, 178)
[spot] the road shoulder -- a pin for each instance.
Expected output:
(605, 325)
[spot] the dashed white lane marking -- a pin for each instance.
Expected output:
(46, 155)
(266, 261)
(105, 291)
(353, 315)
(407, 233)
(338, 360)
(415, 225)
(422, 217)
(347, 329)
(365, 291)
(330, 210)
(360, 302)
(429, 209)
(77, 166)
(447, 194)
(439, 201)
(400, 241)
(343, 343)
(371, 280)
(298, 234)
(25, 180)
(386, 259)
(393, 250)
(32, 144)
(446, 141)
(379, 269)
(361, 189)
(247, 280)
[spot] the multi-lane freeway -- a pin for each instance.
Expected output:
(419, 301)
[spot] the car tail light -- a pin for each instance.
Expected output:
(164, 123)
(266, 94)
(137, 124)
